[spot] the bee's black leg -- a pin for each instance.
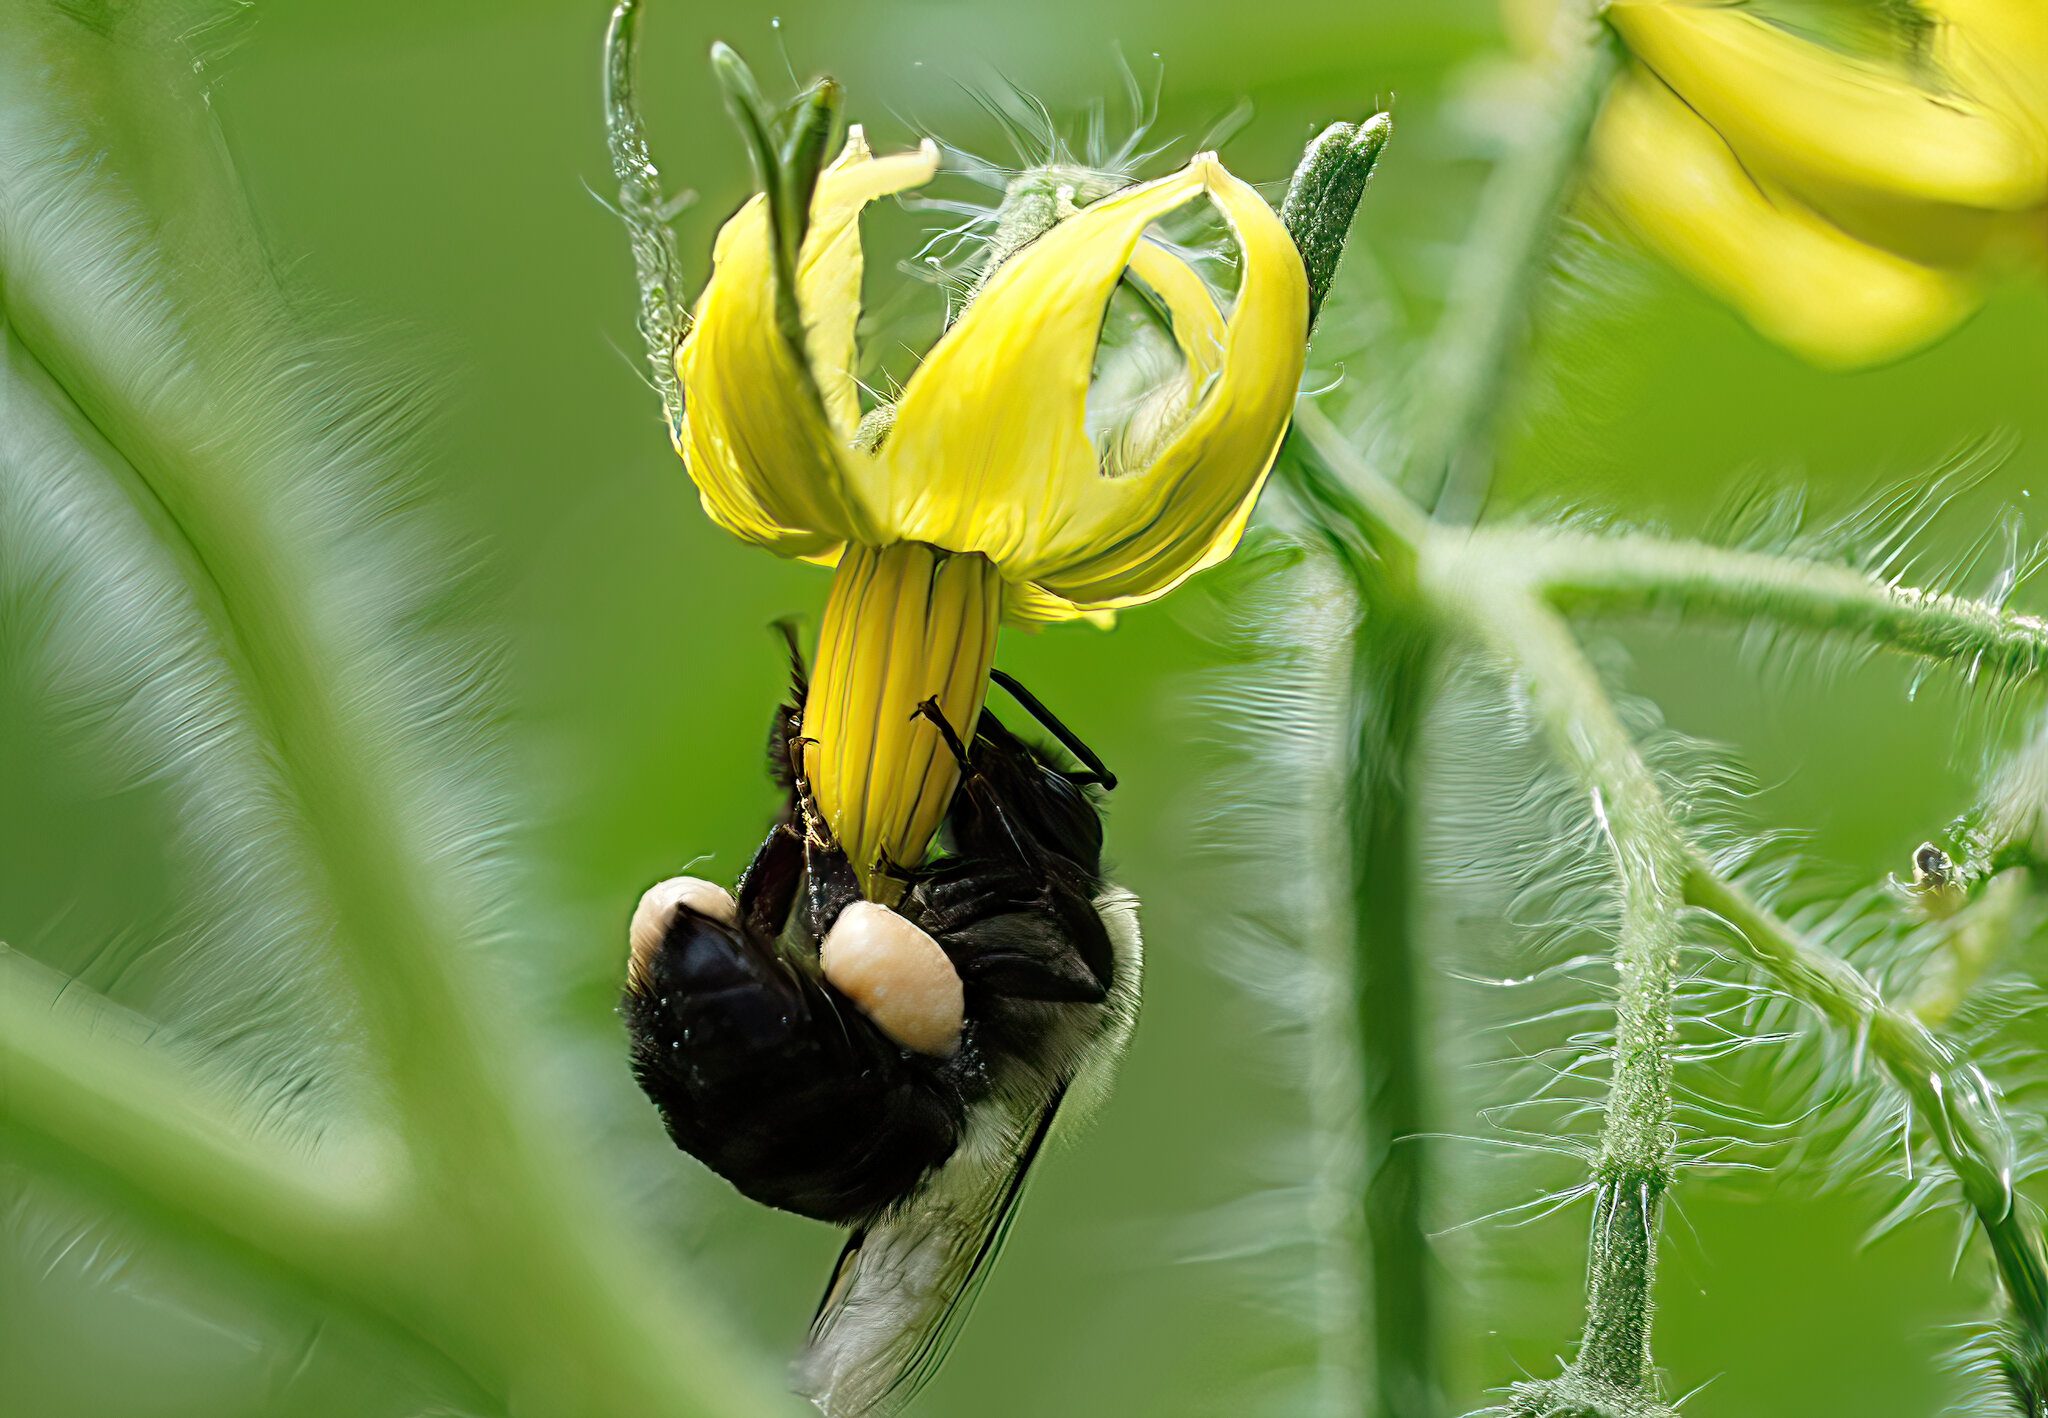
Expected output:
(1035, 707)
(830, 886)
(830, 882)
(769, 886)
(1018, 935)
(931, 711)
(970, 776)
(808, 818)
(910, 876)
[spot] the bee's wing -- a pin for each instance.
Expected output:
(904, 1285)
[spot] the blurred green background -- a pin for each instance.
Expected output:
(432, 167)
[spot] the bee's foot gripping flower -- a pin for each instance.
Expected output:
(994, 488)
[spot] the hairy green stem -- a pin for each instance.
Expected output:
(1391, 670)
(1633, 572)
(1364, 517)
(1580, 573)
(1510, 587)
(1634, 1166)
(1500, 267)
(1949, 1095)
(1393, 658)
(1583, 573)
(1384, 541)
(78, 1075)
(1491, 574)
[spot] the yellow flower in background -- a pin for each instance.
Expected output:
(988, 497)
(1850, 205)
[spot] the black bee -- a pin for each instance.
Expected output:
(894, 1071)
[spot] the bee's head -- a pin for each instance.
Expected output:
(1023, 787)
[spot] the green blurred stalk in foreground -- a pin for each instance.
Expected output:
(145, 325)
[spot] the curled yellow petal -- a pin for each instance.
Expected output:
(1125, 539)
(1832, 125)
(991, 451)
(994, 419)
(1031, 607)
(764, 457)
(1995, 47)
(903, 623)
(1198, 328)
(765, 431)
(1799, 279)
(829, 270)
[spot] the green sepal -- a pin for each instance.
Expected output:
(788, 152)
(1323, 198)
(645, 210)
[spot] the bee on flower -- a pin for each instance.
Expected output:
(865, 1032)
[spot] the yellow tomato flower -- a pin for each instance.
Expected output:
(1848, 204)
(989, 498)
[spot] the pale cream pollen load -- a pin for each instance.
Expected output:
(657, 911)
(898, 976)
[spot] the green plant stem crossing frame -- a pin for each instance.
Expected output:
(1423, 580)
(1506, 591)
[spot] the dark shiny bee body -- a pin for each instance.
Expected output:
(767, 1074)
(770, 1078)
(780, 1083)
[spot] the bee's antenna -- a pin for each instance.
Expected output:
(1071, 740)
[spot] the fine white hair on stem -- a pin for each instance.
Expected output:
(1272, 726)
(1112, 144)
